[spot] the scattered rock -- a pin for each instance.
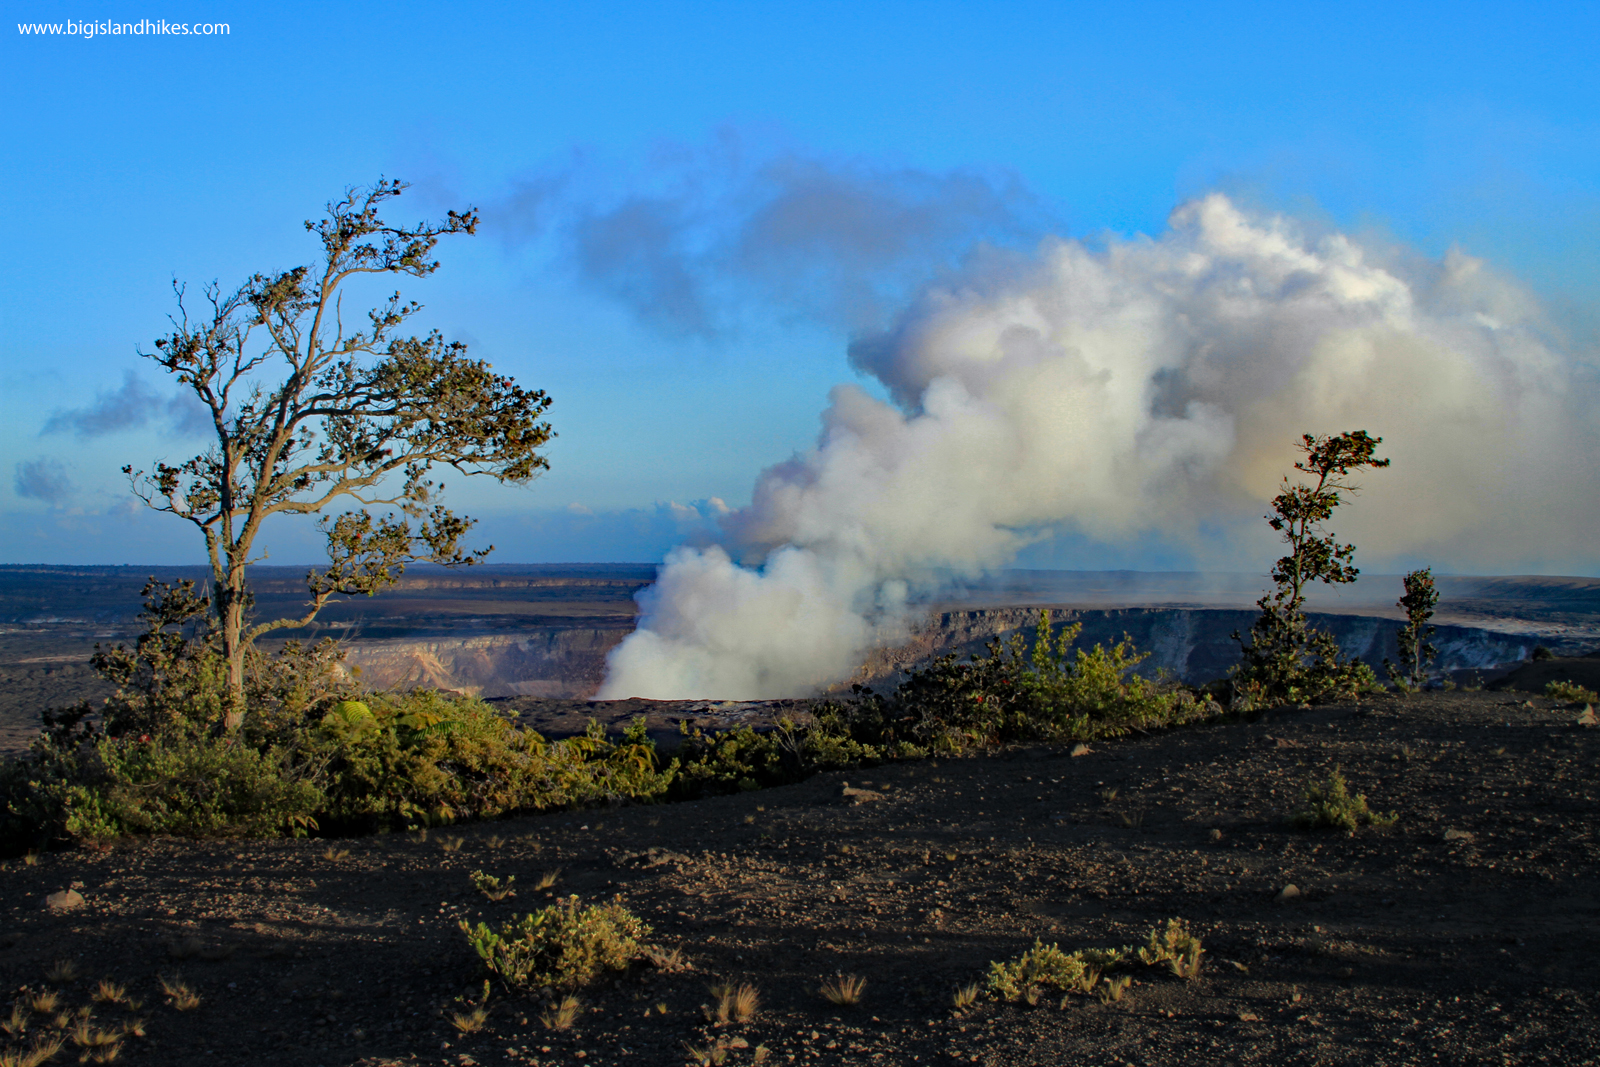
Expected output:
(1081, 749)
(651, 857)
(1215, 834)
(1289, 892)
(64, 901)
(1249, 1017)
(1588, 717)
(852, 795)
(1457, 835)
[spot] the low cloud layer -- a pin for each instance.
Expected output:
(44, 479)
(704, 235)
(132, 406)
(1150, 385)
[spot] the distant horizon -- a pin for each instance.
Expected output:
(656, 564)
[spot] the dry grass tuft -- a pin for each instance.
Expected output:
(966, 996)
(844, 990)
(470, 1022)
(45, 1002)
(452, 844)
(706, 1056)
(548, 879)
(178, 993)
(87, 1036)
(334, 854)
(61, 971)
(736, 1003)
(108, 992)
(42, 1050)
(563, 1015)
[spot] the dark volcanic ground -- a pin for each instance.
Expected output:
(1467, 934)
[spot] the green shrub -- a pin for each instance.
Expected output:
(560, 946)
(1049, 967)
(1175, 942)
(1571, 693)
(1043, 692)
(422, 758)
(187, 783)
(1328, 805)
(1042, 967)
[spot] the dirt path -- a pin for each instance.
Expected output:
(1467, 934)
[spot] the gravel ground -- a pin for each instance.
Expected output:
(1466, 934)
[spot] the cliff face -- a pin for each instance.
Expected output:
(558, 661)
(1195, 644)
(568, 662)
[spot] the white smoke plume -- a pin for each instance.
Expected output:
(1150, 384)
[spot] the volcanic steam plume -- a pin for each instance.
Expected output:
(1146, 385)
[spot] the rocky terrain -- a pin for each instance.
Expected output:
(1466, 933)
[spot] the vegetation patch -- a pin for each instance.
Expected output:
(560, 946)
(1329, 805)
(1571, 693)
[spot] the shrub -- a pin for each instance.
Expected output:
(1042, 966)
(1329, 806)
(193, 784)
(1175, 946)
(423, 758)
(1571, 693)
(560, 946)
(1043, 692)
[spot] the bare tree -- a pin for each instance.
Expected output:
(308, 411)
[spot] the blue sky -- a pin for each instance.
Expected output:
(134, 159)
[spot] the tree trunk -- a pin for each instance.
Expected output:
(230, 612)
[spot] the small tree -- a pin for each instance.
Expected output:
(1414, 650)
(1287, 660)
(308, 411)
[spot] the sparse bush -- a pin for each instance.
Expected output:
(491, 886)
(559, 946)
(1571, 693)
(1328, 805)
